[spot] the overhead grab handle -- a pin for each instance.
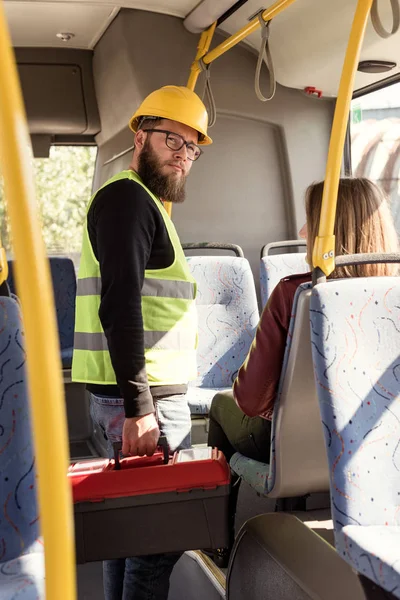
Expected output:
(265, 55)
(208, 94)
(377, 23)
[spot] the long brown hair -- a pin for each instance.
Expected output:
(363, 224)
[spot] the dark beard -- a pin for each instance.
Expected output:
(167, 187)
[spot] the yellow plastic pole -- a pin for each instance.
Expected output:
(202, 49)
(43, 352)
(3, 264)
(324, 246)
(168, 208)
(267, 15)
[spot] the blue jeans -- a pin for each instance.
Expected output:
(141, 577)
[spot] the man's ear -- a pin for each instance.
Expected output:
(140, 139)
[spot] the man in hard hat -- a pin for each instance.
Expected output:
(136, 329)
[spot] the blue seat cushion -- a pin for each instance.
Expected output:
(64, 287)
(23, 578)
(200, 398)
(227, 316)
(276, 267)
(252, 471)
(374, 551)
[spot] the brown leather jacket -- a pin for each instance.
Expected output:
(257, 382)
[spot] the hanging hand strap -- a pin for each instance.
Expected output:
(377, 23)
(265, 55)
(208, 95)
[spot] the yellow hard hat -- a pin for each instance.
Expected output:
(176, 103)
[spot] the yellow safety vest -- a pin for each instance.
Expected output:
(168, 310)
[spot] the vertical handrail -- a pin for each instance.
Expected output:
(324, 246)
(168, 208)
(202, 49)
(43, 352)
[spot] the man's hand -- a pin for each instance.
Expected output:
(140, 436)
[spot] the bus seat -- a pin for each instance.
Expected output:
(274, 267)
(298, 464)
(21, 552)
(356, 352)
(276, 556)
(64, 288)
(228, 316)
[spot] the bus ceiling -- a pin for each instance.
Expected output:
(315, 32)
(208, 12)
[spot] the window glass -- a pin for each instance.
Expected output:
(375, 142)
(63, 189)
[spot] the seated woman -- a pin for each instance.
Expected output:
(241, 422)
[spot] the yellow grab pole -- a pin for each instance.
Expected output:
(43, 352)
(267, 15)
(3, 264)
(324, 246)
(202, 49)
(168, 208)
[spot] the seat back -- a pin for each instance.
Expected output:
(227, 314)
(274, 267)
(64, 288)
(355, 329)
(19, 526)
(298, 464)
(275, 555)
(256, 570)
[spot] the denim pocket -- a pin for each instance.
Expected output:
(109, 415)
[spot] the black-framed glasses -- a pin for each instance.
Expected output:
(174, 141)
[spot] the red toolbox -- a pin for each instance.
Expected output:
(143, 506)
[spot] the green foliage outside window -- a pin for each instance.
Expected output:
(63, 189)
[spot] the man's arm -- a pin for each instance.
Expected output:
(124, 222)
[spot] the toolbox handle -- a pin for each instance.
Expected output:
(162, 443)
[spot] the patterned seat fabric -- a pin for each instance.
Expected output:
(64, 288)
(200, 398)
(21, 553)
(273, 268)
(355, 332)
(228, 316)
(261, 476)
(374, 551)
(252, 471)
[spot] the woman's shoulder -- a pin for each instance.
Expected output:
(281, 299)
(292, 282)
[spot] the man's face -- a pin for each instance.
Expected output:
(163, 169)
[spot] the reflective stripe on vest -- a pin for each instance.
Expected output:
(162, 288)
(155, 340)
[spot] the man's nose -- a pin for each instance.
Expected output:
(181, 154)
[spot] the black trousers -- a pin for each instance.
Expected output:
(232, 431)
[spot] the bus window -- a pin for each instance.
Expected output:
(375, 141)
(63, 188)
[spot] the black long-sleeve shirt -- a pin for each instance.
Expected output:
(128, 235)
